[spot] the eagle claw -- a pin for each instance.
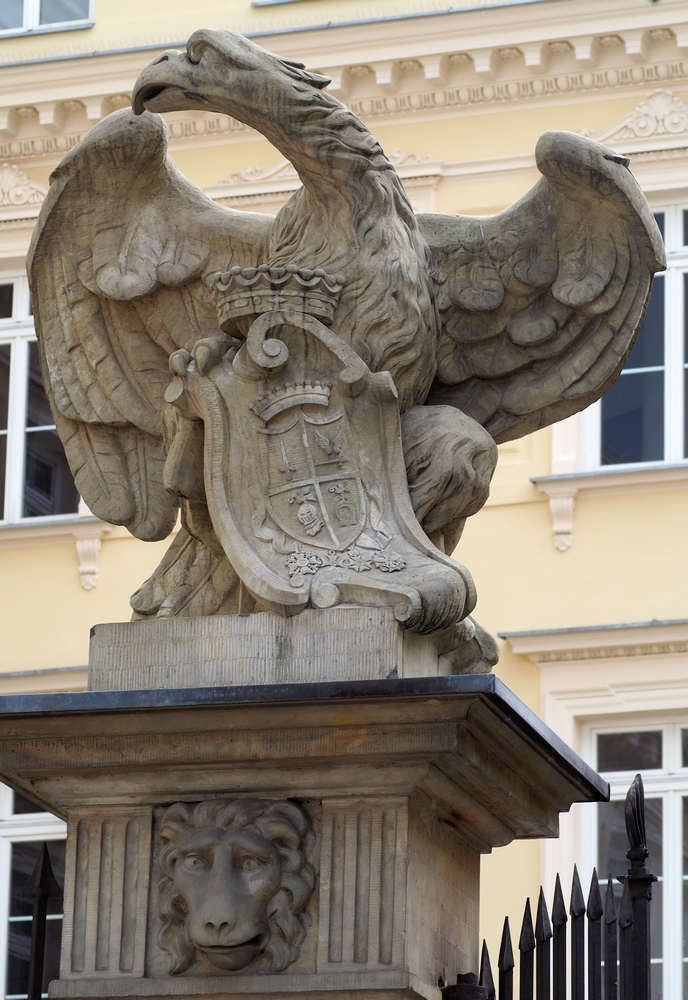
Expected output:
(179, 362)
(210, 351)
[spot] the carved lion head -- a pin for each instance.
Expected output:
(235, 881)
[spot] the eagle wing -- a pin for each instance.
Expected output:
(540, 305)
(117, 266)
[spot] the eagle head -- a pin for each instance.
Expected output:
(221, 71)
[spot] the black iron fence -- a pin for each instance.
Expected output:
(554, 963)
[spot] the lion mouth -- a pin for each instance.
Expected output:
(235, 956)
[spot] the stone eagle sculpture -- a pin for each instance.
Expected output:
(320, 391)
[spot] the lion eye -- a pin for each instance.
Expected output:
(195, 863)
(250, 864)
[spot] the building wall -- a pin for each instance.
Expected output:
(459, 100)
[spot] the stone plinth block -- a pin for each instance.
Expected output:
(339, 644)
(273, 840)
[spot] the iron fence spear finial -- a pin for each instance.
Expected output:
(577, 911)
(559, 921)
(486, 978)
(639, 882)
(505, 964)
(526, 947)
(41, 886)
(543, 936)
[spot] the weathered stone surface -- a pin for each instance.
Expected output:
(272, 377)
(236, 876)
(330, 645)
(378, 798)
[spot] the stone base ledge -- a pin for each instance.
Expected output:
(392, 985)
(339, 644)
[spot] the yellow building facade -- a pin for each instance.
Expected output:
(579, 554)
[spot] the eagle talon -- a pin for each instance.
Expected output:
(210, 351)
(179, 362)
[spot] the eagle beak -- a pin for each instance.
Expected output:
(165, 85)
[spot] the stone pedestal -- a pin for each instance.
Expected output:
(337, 644)
(395, 786)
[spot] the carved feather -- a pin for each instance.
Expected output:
(116, 264)
(540, 305)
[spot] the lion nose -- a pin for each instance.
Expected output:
(218, 930)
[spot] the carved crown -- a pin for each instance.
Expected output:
(250, 291)
(285, 397)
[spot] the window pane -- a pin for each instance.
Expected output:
(633, 419)
(48, 484)
(22, 805)
(649, 345)
(659, 219)
(37, 409)
(11, 14)
(3, 464)
(629, 751)
(54, 11)
(6, 296)
(4, 384)
(24, 858)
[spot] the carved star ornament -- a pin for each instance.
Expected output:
(321, 392)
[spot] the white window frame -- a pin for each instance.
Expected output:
(601, 678)
(19, 333)
(577, 441)
(32, 18)
(15, 829)
(670, 784)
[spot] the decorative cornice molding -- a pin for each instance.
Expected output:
(436, 84)
(608, 652)
(657, 638)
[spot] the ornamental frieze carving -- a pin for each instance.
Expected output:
(18, 189)
(660, 114)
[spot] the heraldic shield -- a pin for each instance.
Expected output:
(306, 515)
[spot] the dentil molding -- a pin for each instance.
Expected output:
(46, 109)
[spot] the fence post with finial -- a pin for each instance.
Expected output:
(506, 964)
(486, 979)
(639, 880)
(594, 913)
(526, 947)
(577, 912)
(543, 936)
(559, 921)
(41, 887)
